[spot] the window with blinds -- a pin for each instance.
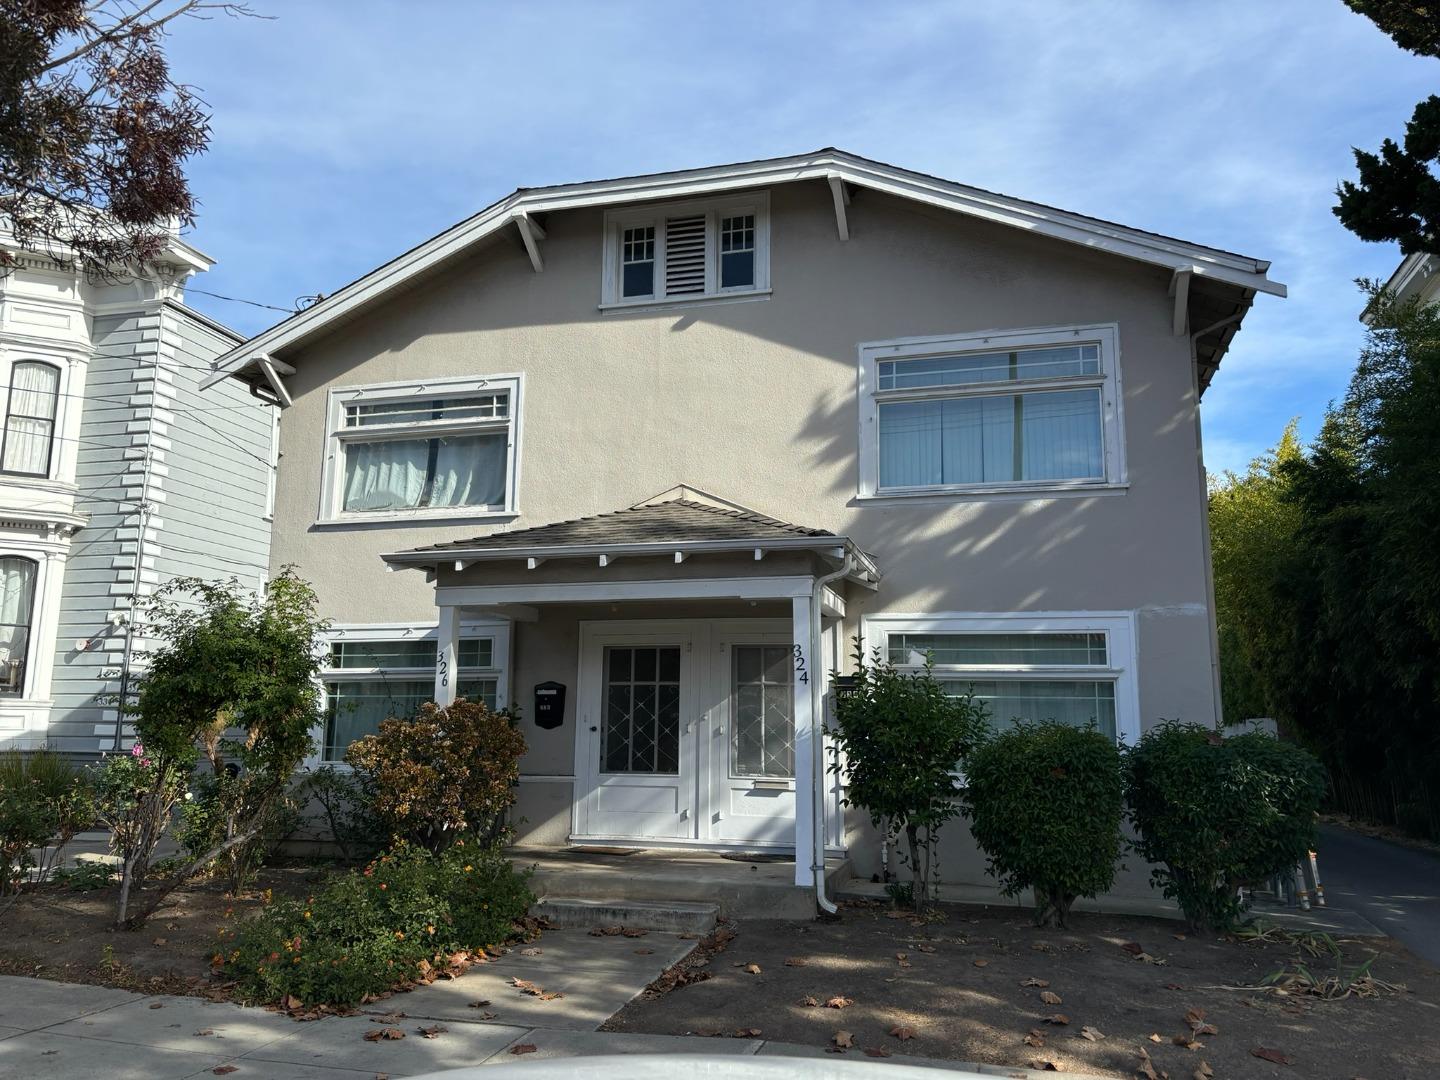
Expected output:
(686, 251)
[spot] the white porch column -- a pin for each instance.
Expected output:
(806, 732)
(447, 660)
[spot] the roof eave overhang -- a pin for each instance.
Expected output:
(866, 571)
(1172, 254)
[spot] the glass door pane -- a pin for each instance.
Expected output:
(763, 729)
(641, 732)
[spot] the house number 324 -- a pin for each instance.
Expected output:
(802, 673)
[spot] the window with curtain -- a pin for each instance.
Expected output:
(17, 608)
(1070, 677)
(30, 418)
(427, 450)
(368, 681)
(1024, 409)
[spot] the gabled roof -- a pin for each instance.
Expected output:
(654, 528)
(517, 208)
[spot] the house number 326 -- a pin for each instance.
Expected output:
(802, 673)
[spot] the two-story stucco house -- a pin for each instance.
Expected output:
(643, 456)
(116, 474)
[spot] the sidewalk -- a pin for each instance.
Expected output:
(68, 1032)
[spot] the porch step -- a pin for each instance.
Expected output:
(671, 917)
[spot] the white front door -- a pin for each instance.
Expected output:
(685, 733)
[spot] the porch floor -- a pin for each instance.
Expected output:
(764, 889)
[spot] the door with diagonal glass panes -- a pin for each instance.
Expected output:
(750, 797)
(638, 713)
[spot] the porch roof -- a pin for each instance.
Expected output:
(682, 526)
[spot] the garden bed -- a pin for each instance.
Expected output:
(57, 933)
(955, 988)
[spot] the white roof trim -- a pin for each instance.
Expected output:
(822, 165)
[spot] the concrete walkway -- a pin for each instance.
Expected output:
(1393, 886)
(68, 1032)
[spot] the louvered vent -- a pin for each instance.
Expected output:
(685, 255)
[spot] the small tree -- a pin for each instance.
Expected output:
(1044, 802)
(232, 682)
(447, 772)
(1214, 814)
(903, 738)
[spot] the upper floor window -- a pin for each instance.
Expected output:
(30, 418)
(991, 412)
(17, 608)
(445, 448)
(687, 251)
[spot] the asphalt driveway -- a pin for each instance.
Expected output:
(1393, 886)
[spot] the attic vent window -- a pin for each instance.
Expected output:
(687, 252)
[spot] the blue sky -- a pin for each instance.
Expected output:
(346, 131)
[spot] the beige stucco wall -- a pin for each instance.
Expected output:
(756, 402)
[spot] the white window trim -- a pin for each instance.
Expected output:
(498, 630)
(1106, 335)
(617, 221)
(1121, 643)
(64, 446)
(333, 472)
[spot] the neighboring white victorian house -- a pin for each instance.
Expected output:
(1417, 275)
(116, 474)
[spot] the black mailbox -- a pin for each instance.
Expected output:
(549, 704)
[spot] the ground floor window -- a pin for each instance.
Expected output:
(372, 673)
(1076, 669)
(17, 608)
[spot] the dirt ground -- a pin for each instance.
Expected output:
(57, 933)
(959, 985)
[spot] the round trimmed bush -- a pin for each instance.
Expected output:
(1044, 802)
(1214, 814)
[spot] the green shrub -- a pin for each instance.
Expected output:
(85, 877)
(369, 930)
(903, 737)
(208, 814)
(1214, 814)
(347, 807)
(445, 773)
(44, 801)
(1045, 803)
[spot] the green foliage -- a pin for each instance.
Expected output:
(85, 877)
(1214, 814)
(444, 773)
(368, 931)
(44, 802)
(903, 739)
(134, 796)
(1044, 802)
(347, 808)
(1397, 196)
(205, 821)
(1327, 580)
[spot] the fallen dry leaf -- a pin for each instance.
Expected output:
(159, 941)
(1049, 997)
(981, 962)
(924, 948)
(903, 959)
(902, 1032)
(523, 1048)
(1272, 1055)
(630, 931)
(1090, 1033)
(205, 1031)
(225, 1070)
(434, 1031)
(794, 961)
(1044, 1065)
(1146, 1068)
(746, 1033)
(530, 952)
(482, 1003)
(1173, 986)
(843, 1039)
(383, 1034)
(1155, 1038)
(1202, 1072)
(839, 1001)
(1187, 1041)
(1058, 1019)
(644, 952)
(876, 1051)
(809, 1002)
(157, 1005)
(752, 969)
(1134, 948)
(1035, 1038)
(1032, 981)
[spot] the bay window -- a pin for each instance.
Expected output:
(30, 412)
(444, 448)
(371, 674)
(1076, 669)
(1011, 410)
(17, 610)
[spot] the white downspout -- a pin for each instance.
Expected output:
(817, 742)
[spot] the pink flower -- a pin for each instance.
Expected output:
(138, 750)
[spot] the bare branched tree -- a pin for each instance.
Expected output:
(94, 131)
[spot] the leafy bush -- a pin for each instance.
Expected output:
(445, 773)
(1045, 802)
(367, 931)
(903, 738)
(205, 819)
(44, 802)
(85, 877)
(134, 798)
(1214, 814)
(347, 807)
